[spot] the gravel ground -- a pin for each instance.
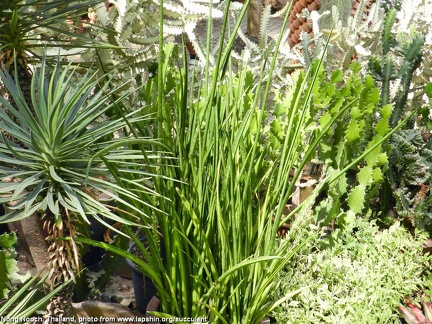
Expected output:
(118, 290)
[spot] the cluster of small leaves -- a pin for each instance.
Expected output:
(359, 127)
(357, 275)
(8, 264)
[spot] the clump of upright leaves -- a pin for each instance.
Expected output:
(8, 264)
(417, 312)
(223, 187)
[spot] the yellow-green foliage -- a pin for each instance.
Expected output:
(358, 275)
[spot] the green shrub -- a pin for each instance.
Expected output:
(356, 276)
(8, 264)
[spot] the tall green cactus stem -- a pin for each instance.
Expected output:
(387, 75)
(385, 71)
(395, 68)
(387, 68)
(387, 38)
(412, 61)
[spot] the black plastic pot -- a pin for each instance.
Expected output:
(143, 287)
(93, 255)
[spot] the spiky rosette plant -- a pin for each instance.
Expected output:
(26, 26)
(49, 162)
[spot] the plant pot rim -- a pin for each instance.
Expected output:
(132, 264)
